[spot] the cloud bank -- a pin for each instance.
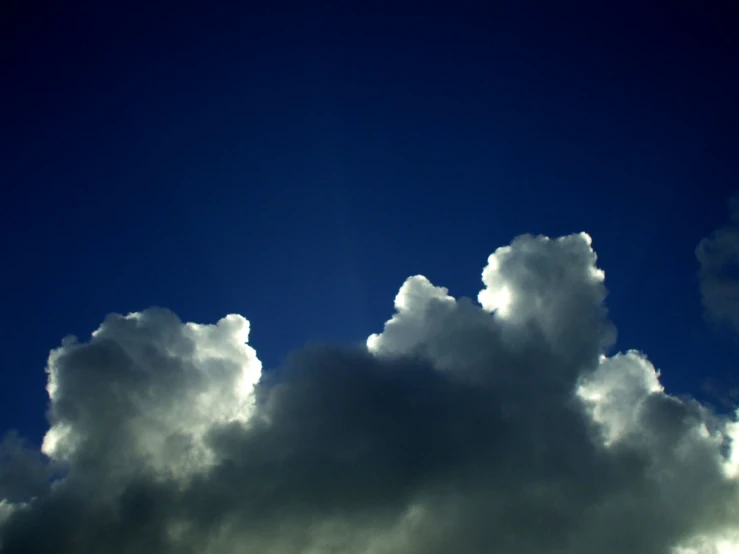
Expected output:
(496, 426)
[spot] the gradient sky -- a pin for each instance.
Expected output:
(295, 166)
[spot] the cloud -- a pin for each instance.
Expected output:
(718, 256)
(23, 471)
(493, 427)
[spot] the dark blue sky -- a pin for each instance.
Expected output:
(296, 166)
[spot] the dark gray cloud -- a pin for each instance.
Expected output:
(24, 472)
(498, 427)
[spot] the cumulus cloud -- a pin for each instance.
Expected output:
(496, 426)
(718, 256)
(24, 472)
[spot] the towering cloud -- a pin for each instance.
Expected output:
(497, 426)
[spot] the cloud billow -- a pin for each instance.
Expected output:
(497, 426)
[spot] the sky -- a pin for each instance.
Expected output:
(434, 230)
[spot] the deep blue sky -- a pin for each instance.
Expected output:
(297, 166)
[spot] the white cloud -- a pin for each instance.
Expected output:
(415, 301)
(499, 427)
(144, 391)
(616, 392)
